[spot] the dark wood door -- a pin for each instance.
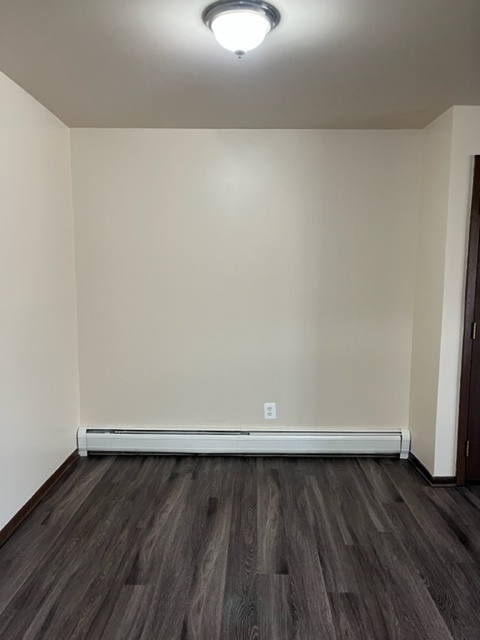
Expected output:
(468, 457)
(473, 427)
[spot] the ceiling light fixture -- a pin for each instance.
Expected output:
(240, 26)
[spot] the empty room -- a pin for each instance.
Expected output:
(239, 295)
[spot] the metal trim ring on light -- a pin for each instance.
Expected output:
(225, 6)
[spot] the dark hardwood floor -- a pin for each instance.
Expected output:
(182, 548)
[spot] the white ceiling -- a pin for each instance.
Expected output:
(329, 64)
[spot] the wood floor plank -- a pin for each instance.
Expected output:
(204, 615)
(173, 557)
(240, 618)
(355, 502)
(329, 476)
(415, 608)
(351, 616)
(158, 532)
(381, 485)
(126, 621)
(272, 558)
(312, 617)
(98, 514)
(435, 574)
(466, 578)
(428, 517)
(30, 545)
(334, 554)
(383, 614)
(69, 604)
(274, 607)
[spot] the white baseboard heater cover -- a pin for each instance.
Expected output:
(243, 441)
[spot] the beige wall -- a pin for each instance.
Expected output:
(449, 146)
(429, 290)
(38, 333)
(465, 145)
(217, 270)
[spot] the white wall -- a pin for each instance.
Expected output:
(217, 270)
(38, 333)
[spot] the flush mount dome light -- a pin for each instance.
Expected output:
(240, 26)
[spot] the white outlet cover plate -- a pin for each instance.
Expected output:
(270, 410)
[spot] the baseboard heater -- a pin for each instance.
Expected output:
(391, 442)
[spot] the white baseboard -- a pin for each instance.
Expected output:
(195, 440)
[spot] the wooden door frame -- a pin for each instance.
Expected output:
(470, 288)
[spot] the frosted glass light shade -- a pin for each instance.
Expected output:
(240, 31)
(241, 25)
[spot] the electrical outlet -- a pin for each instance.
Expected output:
(270, 410)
